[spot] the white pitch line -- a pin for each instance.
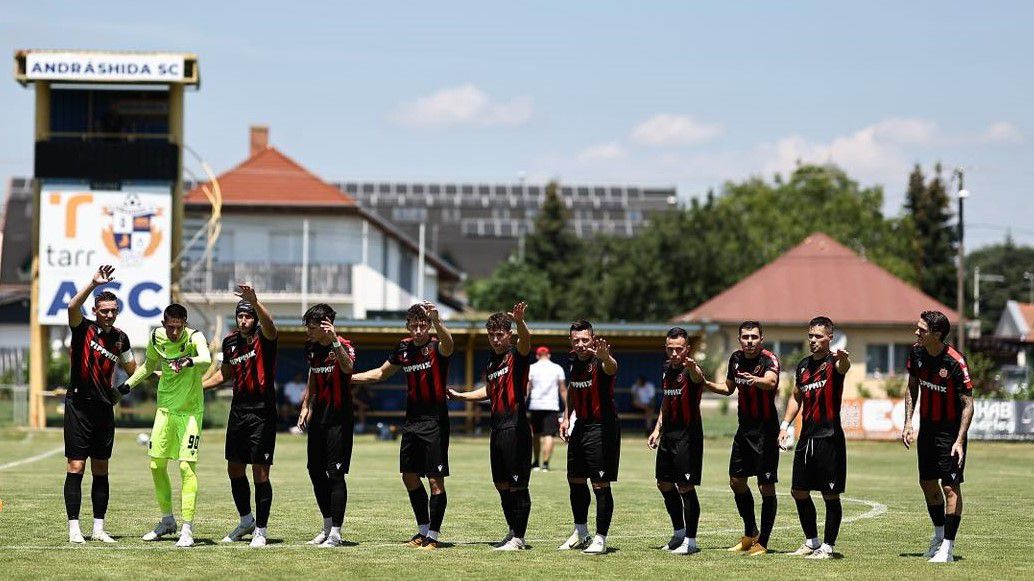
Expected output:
(876, 509)
(31, 459)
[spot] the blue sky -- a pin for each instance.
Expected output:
(661, 93)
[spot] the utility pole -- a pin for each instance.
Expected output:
(960, 278)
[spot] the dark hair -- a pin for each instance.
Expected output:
(676, 332)
(104, 296)
(498, 321)
(245, 307)
(751, 325)
(417, 314)
(176, 311)
(937, 322)
(581, 325)
(318, 313)
(822, 322)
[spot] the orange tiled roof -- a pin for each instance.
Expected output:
(271, 178)
(819, 277)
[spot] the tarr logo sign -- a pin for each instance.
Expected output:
(80, 230)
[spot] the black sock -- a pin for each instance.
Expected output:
(418, 500)
(673, 504)
(691, 512)
(73, 494)
(437, 506)
(521, 502)
(263, 501)
(604, 509)
(321, 490)
(745, 506)
(241, 490)
(338, 499)
(951, 526)
(806, 514)
(768, 516)
(936, 514)
(99, 495)
(580, 501)
(507, 503)
(834, 514)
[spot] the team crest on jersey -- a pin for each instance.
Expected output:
(943, 373)
(426, 350)
(757, 369)
(822, 367)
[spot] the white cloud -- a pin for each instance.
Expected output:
(1001, 132)
(911, 131)
(465, 105)
(602, 152)
(665, 129)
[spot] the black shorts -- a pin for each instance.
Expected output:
(680, 457)
(544, 422)
(89, 429)
(935, 460)
(755, 452)
(821, 464)
(510, 455)
(425, 447)
(330, 447)
(594, 452)
(251, 436)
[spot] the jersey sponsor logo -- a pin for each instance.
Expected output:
(814, 385)
(416, 367)
(581, 384)
(324, 369)
(100, 349)
(497, 374)
(741, 381)
(242, 358)
(933, 386)
(673, 392)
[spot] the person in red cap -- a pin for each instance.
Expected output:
(547, 388)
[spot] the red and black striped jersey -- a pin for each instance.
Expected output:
(427, 372)
(590, 390)
(943, 380)
(93, 355)
(330, 387)
(822, 389)
(507, 384)
(680, 406)
(253, 364)
(756, 406)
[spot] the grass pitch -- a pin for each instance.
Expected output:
(886, 526)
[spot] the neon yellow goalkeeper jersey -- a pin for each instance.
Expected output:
(178, 393)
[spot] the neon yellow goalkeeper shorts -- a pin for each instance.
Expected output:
(175, 436)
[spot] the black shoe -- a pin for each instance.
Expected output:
(545, 467)
(534, 465)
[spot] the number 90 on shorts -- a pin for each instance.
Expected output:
(175, 436)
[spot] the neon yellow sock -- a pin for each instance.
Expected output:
(162, 486)
(189, 476)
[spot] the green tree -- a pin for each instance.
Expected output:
(933, 247)
(1010, 261)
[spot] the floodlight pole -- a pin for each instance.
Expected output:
(960, 278)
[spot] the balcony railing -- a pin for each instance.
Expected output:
(323, 279)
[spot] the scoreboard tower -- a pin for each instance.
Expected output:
(107, 185)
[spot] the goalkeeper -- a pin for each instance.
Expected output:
(181, 355)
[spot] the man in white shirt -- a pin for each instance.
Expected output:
(643, 396)
(546, 390)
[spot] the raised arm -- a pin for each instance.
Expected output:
(842, 361)
(523, 332)
(445, 343)
(607, 361)
(247, 293)
(345, 356)
(377, 375)
(75, 307)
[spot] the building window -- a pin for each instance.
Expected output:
(409, 215)
(406, 271)
(884, 358)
